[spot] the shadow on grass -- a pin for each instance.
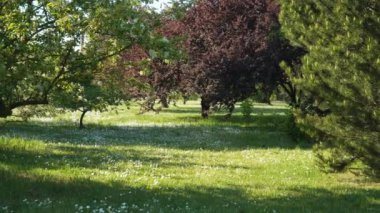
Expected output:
(190, 137)
(182, 110)
(61, 156)
(268, 122)
(66, 193)
(100, 158)
(257, 109)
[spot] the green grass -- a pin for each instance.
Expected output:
(171, 162)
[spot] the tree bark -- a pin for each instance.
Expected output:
(292, 93)
(164, 102)
(185, 99)
(6, 111)
(231, 108)
(205, 108)
(81, 125)
(29, 102)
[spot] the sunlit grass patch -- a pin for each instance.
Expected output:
(170, 162)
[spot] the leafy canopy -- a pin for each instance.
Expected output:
(50, 46)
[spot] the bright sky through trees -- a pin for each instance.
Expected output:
(160, 4)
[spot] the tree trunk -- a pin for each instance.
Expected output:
(231, 109)
(4, 111)
(292, 93)
(164, 102)
(205, 108)
(185, 99)
(81, 125)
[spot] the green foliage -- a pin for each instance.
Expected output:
(28, 112)
(293, 128)
(341, 73)
(55, 46)
(179, 8)
(93, 90)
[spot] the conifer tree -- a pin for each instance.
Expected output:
(341, 72)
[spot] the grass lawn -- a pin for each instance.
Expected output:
(171, 162)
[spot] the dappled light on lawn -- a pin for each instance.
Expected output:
(170, 162)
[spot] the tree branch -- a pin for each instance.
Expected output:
(43, 101)
(60, 73)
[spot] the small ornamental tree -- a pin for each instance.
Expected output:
(341, 72)
(167, 75)
(154, 74)
(93, 90)
(229, 50)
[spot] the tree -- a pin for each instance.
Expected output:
(93, 90)
(236, 58)
(178, 9)
(229, 50)
(150, 78)
(46, 46)
(156, 73)
(167, 76)
(341, 72)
